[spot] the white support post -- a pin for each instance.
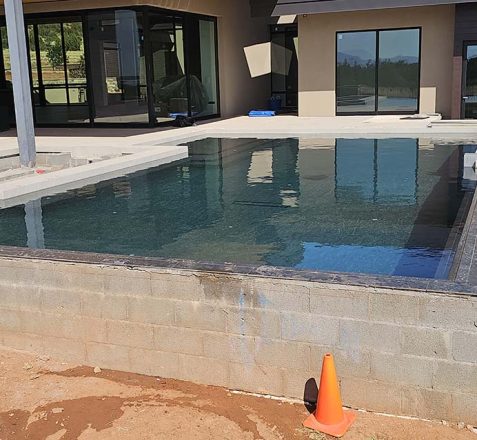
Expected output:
(21, 81)
(34, 225)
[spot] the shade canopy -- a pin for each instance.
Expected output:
(293, 7)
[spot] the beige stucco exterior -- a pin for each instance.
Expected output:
(317, 36)
(239, 92)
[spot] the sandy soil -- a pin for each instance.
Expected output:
(44, 399)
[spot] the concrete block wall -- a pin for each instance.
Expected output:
(401, 352)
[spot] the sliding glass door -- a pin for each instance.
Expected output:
(469, 89)
(57, 70)
(356, 72)
(118, 66)
(398, 71)
(169, 81)
(378, 71)
(131, 65)
(7, 113)
(201, 46)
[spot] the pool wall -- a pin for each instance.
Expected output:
(398, 350)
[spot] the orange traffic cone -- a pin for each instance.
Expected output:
(329, 416)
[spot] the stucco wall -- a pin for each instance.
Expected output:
(238, 91)
(398, 351)
(317, 36)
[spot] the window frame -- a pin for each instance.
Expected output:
(376, 73)
(82, 14)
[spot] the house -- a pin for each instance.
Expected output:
(127, 63)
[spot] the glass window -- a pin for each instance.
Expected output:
(356, 72)
(378, 71)
(75, 63)
(6, 75)
(470, 83)
(284, 56)
(398, 72)
(208, 71)
(118, 67)
(169, 82)
(201, 66)
(6, 88)
(57, 63)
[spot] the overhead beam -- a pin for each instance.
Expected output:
(21, 81)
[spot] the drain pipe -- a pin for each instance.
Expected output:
(21, 82)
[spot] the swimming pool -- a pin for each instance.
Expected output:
(375, 206)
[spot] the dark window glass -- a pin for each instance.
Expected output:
(356, 72)
(169, 82)
(118, 73)
(284, 56)
(201, 68)
(470, 91)
(398, 72)
(208, 68)
(7, 113)
(378, 71)
(57, 68)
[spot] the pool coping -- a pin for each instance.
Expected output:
(21, 190)
(424, 285)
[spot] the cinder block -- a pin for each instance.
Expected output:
(253, 322)
(22, 341)
(151, 310)
(104, 306)
(281, 296)
(294, 382)
(179, 340)
(154, 363)
(371, 395)
(282, 354)
(359, 335)
(313, 329)
(257, 379)
(177, 287)
(464, 346)
(231, 348)
(425, 342)
(204, 370)
(67, 350)
(60, 301)
(76, 328)
(68, 276)
(93, 329)
(464, 406)
(340, 303)
(134, 283)
(427, 404)
(130, 334)
(10, 320)
(19, 297)
(349, 363)
(391, 307)
(403, 369)
(456, 377)
(448, 312)
(83, 280)
(16, 272)
(226, 290)
(115, 357)
(199, 316)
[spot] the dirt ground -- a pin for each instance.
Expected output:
(44, 399)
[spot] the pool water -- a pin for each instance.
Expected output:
(392, 206)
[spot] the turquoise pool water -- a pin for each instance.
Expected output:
(392, 206)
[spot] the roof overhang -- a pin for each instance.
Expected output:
(294, 7)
